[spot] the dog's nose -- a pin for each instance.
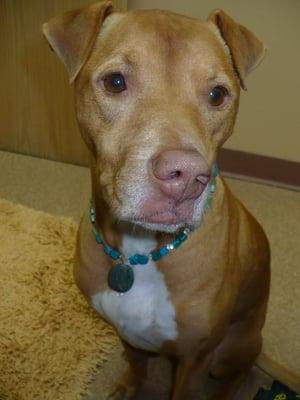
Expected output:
(181, 174)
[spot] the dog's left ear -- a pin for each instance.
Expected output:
(73, 34)
(246, 50)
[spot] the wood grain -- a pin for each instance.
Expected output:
(36, 104)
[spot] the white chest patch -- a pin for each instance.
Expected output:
(144, 316)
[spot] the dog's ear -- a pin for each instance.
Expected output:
(72, 34)
(246, 50)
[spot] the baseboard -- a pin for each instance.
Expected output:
(262, 168)
(279, 372)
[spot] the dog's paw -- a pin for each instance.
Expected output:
(122, 391)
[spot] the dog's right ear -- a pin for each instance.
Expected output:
(246, 50)
(72, 34)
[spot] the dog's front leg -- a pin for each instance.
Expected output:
(192, 372)
(126, 388)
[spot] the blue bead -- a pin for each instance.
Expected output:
(142, 259)
(107, 248)
(134, 260)
(114, 254)
(164, 251)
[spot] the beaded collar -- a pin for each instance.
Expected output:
(121, 276)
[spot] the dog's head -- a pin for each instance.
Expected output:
(156, 96)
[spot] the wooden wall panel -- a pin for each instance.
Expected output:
(36, 104)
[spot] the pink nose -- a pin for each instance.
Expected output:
(181, 174)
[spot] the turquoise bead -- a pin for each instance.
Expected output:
(98, 239)
(138, 259)
(164, 251)
(155, 255)
(107, 248)
(216, 170)
(176, 243)
(142, 259)
(132, 260)
(182, 237)
(114, 254)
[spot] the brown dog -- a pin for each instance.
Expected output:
(156, 96)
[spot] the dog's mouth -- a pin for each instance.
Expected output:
(155, 216)
(166, 217)
(159, 213)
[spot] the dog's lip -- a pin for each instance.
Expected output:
(167, 217)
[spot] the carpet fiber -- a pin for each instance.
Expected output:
(51, 342)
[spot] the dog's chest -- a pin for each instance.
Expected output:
(144, 316)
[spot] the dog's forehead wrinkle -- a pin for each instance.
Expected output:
(156, 29)
(117, 59)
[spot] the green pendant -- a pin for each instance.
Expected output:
(121, 278)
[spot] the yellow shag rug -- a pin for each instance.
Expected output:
(51, 342)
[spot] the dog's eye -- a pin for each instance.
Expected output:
(114, 83)
(217, 96)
